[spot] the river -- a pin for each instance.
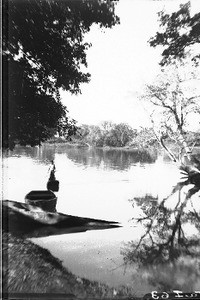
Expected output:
(102, 184)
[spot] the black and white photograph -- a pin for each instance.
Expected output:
(100, 149)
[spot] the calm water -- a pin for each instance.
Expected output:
(100, 184)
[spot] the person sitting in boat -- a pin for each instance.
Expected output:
(52, 183)
(52, 173)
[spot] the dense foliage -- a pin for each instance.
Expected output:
(178, 32)
(107, 134)
(144, 138)
(44, 50)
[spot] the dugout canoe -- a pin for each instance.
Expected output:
(46, 200)
(31, 221)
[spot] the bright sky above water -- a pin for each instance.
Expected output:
(120, 62)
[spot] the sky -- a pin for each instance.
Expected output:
(121, 62)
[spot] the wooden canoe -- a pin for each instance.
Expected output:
(31, 221)
(46, 200)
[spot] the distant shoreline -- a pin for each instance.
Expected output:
(124, 148)
(81, 145)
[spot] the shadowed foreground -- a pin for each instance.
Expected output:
(28, 268)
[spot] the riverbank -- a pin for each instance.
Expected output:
(85, 145)
(151, 149)
(28, 268)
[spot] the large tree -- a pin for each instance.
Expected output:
(179, 32)
(170, 100)
(44, 50)
(174, 99)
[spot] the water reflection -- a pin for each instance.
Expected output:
(109, 158)
(43, 154)
(92, 157)
(168, 251)
(97, 183)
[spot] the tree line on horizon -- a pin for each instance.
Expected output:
(110, 134)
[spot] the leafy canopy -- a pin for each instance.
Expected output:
(178, 32)
(107, 134)
(44, 50)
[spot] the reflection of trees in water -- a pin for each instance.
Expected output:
(124, 159)
(166, 252)
(84, 156)
(184, 275)
(120, 159)
(43, 154)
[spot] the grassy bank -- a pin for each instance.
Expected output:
(28, 268)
